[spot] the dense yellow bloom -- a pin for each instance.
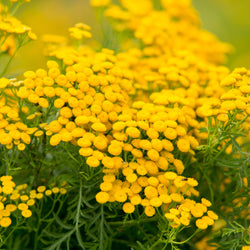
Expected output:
(134, 115)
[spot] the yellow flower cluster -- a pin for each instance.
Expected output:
(166, 189)
(17, 199)
(79, 31)
(135, 114)
(13, 131)
(174, 28)
(134, 141)
(232, 103)
(12, 30)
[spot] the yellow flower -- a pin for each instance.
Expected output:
(155, 202)
(179, 166)
(176, 197)
(170, 175)
(170, 133)
(196, 211)
(192, 182)
(245, 248)
(165, 198)
(5, 213)
(106, 186)
(201, 224)
(183, 145)
(212, 215)
(120, 196)
(153, 181)
(58, 103)
(63, 190)
(98, 126)
(4, 82)
(92, 161)
(128, 208)
(102, 197)
(208, 220)
(48, 192)
(38, 196)
(133, 132)
(115, 149)
(135, 199)
(55, 190)
(150, 192)
(170, 216)
(149, 211)
(26, 213)
(228, 105)
(131, 178)
(65, 112)
(30, 202)
(41, 189)
(7, 190)
(153, 155)
(206, 202)
(55, 126)
(22, 206)
(5, 221)
(152, 133)
(100, 143)
(184, 221)
(228, 81)
(55, 139)
(245, 89)
(21, 146)
(157, 144)
(43, 103)
(15, 196)
(24, 197)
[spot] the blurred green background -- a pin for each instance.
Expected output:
(228, 19)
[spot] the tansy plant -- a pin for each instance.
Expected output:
(138, 145)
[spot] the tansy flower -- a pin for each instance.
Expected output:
(5, 221)
(155, 202)
(26, 213)
(99, 127)
(54, 190)
(153, 155)
(133, 132)
(212, 215)
(201, 224)
(150, 192)
(92, 161)
(22, 206)
(183, 145)
(114, 149)
(128, 208)
(120, 196)
(48, 192)
(102, 197)
(149, 211)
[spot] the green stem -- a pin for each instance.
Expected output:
(15, 9)
(9, 61)
(101, 228)
(189, 238)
